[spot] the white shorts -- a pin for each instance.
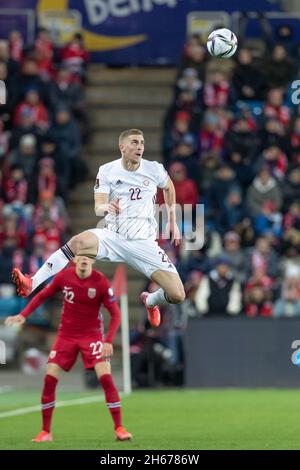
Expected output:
(144, 255)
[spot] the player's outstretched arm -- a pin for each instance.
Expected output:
(172, 229)
(34, 303)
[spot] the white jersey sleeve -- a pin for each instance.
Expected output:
(162, 175)
(102, 184)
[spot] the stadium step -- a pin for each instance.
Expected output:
(99, 75)
(134, 95)
(118, 118)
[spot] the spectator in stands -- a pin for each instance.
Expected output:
(295, 136)
(233, 251)
(33, 105)
(11, 64)
(278, 67)
(209, 164)
(186, 189)
(186, 153)
(25, 156)
(276, 160)
(262, 256)
(67, 91)
(75, 56)
(197, 261)
(67, 136)
(231, 211)
(51, 207)
(10, 256)
(259, 294)
(269, 221)
(11, 230)
(219, 293)
(289, 303)
(224, 182)
(242, 168)
(16, 45)
(186, 101)
(292, 216)
(264, 188)
(257, 302)
(180, 128)
(211, 135)
(291, 231)
(194, 56)
(43, 54)
(27, 126)
(242, 138)
(273, 133)
(248, 83)
(16, 186)
(216, 90)
(46, 180)
(275, 107)
(49, 234)
(190, 83)
(30, 78)
(4, 142)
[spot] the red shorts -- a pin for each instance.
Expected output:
(65, 350)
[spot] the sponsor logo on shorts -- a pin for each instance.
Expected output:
(92, 293)
(52, 354)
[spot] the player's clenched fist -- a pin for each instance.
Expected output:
(114, 207)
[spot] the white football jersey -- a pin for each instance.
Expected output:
(136, 191)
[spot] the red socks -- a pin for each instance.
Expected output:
(112, 398)
(48, 401)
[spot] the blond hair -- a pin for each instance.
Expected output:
(129, 132)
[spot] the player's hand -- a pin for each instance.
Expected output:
(15, 320)
(107, 351)
(114, 207)
(173, 232)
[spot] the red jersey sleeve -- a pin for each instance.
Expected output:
(110, 303)
(39, 298)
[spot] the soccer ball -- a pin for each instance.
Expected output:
(222, 43)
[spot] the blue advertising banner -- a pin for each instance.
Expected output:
(129, 31)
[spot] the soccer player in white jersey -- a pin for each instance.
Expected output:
(125, 192)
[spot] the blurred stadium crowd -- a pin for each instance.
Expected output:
(232, 142)
(42, 127)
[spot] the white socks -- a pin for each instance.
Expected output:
(55, 263)
(157, 298)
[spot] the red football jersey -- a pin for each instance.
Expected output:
(82, 299)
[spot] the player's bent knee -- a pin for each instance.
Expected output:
(79, 243)
(177, 297)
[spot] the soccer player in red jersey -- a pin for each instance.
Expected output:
(84, 290)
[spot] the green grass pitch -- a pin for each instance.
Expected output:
(169, 419)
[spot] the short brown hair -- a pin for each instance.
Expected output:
(129, 132)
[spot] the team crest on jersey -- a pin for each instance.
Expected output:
(92, 293)
(146, 182)
(52, 354)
